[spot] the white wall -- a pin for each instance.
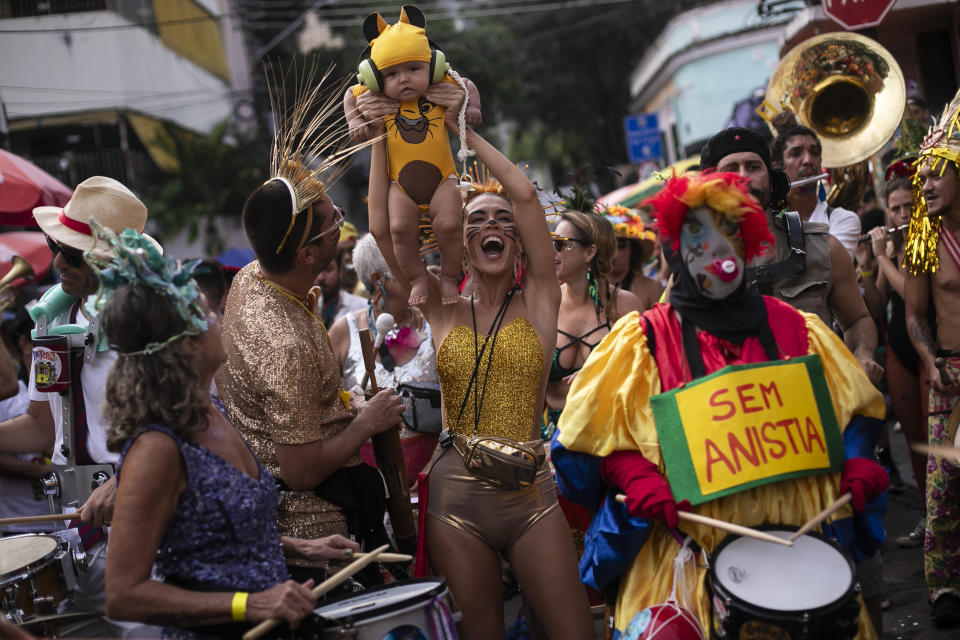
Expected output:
(69, 67)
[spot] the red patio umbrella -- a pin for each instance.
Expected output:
(24, 186)
(30, 245)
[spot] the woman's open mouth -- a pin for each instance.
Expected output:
(492, 247)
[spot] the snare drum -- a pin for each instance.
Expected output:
(765, 590)
(36, 576)
(408, 610)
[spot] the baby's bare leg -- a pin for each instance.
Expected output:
(404, 217)
(446, 222)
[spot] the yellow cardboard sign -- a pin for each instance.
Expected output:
(746, 426)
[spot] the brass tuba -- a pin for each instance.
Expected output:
(20, 268)
(850, 91)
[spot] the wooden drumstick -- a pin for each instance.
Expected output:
(943, 452)
(31, 519)
(729, 527)
(823, 515)
(387, 557)
(321, 589)
(388, 453)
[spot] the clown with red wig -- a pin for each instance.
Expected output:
(607, 442)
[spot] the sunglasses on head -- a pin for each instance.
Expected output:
(73, 257)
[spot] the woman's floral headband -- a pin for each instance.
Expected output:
(137, 259)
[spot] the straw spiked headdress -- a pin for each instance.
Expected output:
(309, 143)
(940, 148)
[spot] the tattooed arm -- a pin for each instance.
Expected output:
(153, 479)
(917, 302)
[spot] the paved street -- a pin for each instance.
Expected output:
(909, 614)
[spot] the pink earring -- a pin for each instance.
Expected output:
(517, 272)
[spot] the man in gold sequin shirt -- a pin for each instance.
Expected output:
(281, 381)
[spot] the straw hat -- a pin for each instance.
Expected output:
(109, 202)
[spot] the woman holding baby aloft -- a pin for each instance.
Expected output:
(399, 64)
(493, 357)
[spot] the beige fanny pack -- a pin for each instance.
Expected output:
(501, 461)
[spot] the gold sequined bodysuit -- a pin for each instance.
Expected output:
(498, 517)
(513, 385)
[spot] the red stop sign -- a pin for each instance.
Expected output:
(857, 14)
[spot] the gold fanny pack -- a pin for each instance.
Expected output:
(501, 461)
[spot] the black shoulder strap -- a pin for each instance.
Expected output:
(691, 349)
(796, 261)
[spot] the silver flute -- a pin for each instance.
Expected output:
(803, 181)
(890, 231)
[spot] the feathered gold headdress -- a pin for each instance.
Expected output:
(941, 146)
(309, 141)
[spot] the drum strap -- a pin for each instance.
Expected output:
(89, 536)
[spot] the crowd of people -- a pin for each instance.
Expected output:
(236, 412)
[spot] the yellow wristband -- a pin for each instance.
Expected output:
(238, 608)
(866, 274)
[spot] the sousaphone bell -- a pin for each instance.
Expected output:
(850, 91)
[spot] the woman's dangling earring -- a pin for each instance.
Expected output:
(383, 295)
(517, 272)
(593, 290)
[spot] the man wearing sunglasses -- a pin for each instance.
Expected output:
(69, 235)
(281, 380)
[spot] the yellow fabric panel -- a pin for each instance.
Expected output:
(190, 30)
(608, 406)
(851, 390)
(157, 141)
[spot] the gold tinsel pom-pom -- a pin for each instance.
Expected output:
(920, 254)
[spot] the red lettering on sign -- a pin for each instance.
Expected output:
(814, 434)
(786, 427)
(756, 438)
(745, 398)
(736, 447)
(766, 392)
(715, 455)
(714, 402)
(769, 440)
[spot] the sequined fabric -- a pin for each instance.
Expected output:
(281, 385)
(510, 403)
(223, 533)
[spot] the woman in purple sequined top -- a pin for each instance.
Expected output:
(193, 500)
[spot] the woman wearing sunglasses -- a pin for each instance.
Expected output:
(493, 357)
(584, 245)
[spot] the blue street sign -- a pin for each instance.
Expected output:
(643, 137)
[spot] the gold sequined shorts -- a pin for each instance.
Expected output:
(497, 516)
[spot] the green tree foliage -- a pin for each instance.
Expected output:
(559, 78)
(216, 174)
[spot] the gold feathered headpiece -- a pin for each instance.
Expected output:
(309, 141)
(940, 147)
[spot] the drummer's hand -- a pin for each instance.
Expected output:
(97, 511)
(11, 632)
(335, 547)
(864, 479)
(381, 412)
(290, 601)
(648, 493)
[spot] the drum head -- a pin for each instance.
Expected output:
(813, 573)
(382, 600)
(18, 553)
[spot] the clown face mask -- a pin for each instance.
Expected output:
(712, 251)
